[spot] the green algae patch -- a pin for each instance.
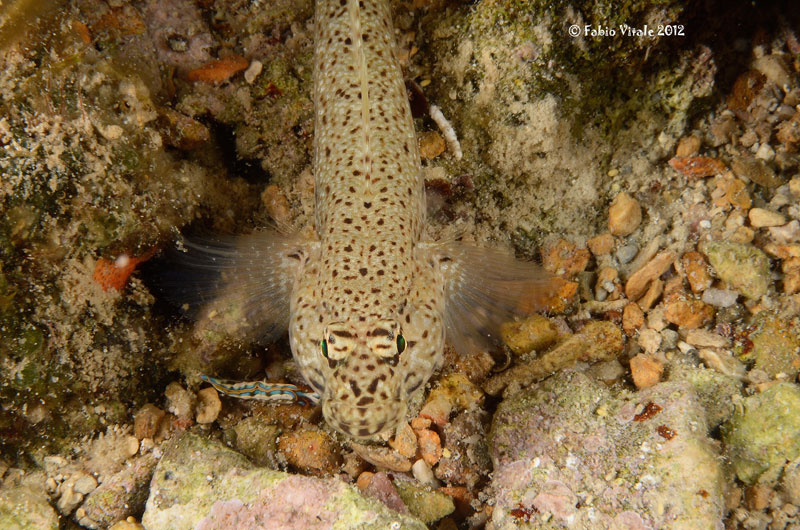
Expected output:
(773, 346)
(764, 433)
(742, 266)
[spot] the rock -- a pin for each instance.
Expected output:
(147, 421)
(646, 370)
(687, 312)
(127, 525)
(181, 131)
(119, 496)
(257, 439)
(706, 339)
(201, 484)
(626, 253)
(753, 169)
(649, 340)
(25, 507)
(423, 502)
(564, 258)
(791, 481)
(311, 451)
(688, 146)
(720, 297)
(696, 269)
(431, 144)
(761, 218)
(179, 400)
(764, 434)
(380, 487)
(651, 295)
(624, 215)
(465, 457)
(253, 71)
(208, 406)
(430, 446)
(423, 473)
(639, 280)
(742, 266)
(787, 233)
(276, 204)
(632, 319)
(774, 67)
(601, 245)
(405, 440)
(774, 345)
(731, 191)
(382, 457)
(716, 392)
(597, 341)
(453, 392)
(568, 438)
(534, 333)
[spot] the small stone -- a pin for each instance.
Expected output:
(131, 444)
(179, 400)
(742, 266)
(731, 191)
(646, 370)
(626, 253)
(420, 422)
(774, 67)
(382, 457)
(788, 132)
(761, 218)
(382, 488)
(696, 268)
(430, 446)
(181, 131)
(755, 170)
(632, 319)
(774, 345)
(720, 297)
(147, 420)
(764, 433)
(652, 295)
(276, 204)
(723, 362)
(404, 441)
(253, 71)
(608, 286)
(649, 340)
(758, 496)
(639, 280)
(791, 481)
(791, 281)
(311, 451)
(208, 405)
(787, 233)
(127, 525)
(564, 258)
(69, 499)
(454, 391)
(688, 146)
(624, 215)
(423, 502)
(687, 312)
(534, 333)
(363, 480)
(85, 484)
(431, 145)
(258, 440)
(794, 187)
(703, 338)
(423, 473)
(601, 245)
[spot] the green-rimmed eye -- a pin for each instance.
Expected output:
(401, 343)
(323, 346)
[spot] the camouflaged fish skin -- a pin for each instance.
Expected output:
(367, 291)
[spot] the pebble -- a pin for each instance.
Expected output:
(381, 487)
(743, 266)
(423, 502)
(564, 258)
(423, 473)
(312, 451)
(761, 218)
(131, 444)
(431, 145)
(454, 391)
(731, 191)
(791, 281)
(253, 71)
(85, 484)
(608, 286)
(404, 441)
(652, 294)
(720, 297)
(723, 362)
(147, 420)
(649, 340)
(69, 499)
(632, 319)
(129, 524)
(688, 146)
(601, 245)
(277, 205)
(180, 401)
(696, 269)
(755, 170)
(534, 333)
(646, 370)
(787, 233)
(757, 497)
(624, 215)
(639, 280)
(706, 339)
(687, 312)
(626, 253)
(208, 405)
(258, 440)
(382, 457)
(430, 446)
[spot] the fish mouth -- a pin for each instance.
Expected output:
(363, 422)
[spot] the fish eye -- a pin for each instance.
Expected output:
(323, 346)
(401, 343)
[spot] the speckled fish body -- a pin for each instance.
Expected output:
(368, 304)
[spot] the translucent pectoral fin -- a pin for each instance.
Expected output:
(484, 288)
(239, 286)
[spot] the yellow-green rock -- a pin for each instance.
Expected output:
(742, 266)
